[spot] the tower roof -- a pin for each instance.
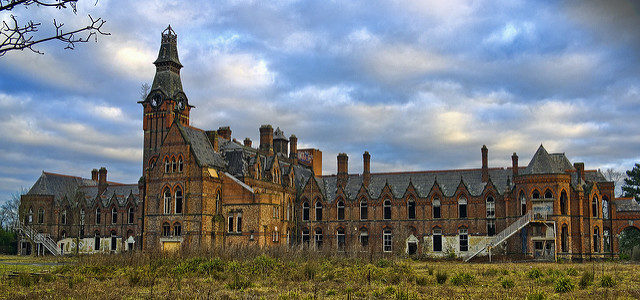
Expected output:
(167, 83)
(544, 163)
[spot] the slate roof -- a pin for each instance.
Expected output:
(627, 204)
(448, 181)
(75, 189)
(279, 135)
(544, 163)
(201, 147)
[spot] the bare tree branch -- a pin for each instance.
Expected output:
(14, 36)
(144, 91)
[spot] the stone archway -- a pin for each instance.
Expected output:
(412, 245)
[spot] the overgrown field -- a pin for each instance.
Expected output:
(272, 276)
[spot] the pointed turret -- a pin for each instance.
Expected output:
(167, 79)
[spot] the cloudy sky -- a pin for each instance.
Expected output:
(420, 85)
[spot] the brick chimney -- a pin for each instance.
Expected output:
(579, 169)
(514, 164)
(94, 174)
(225, 132)
(102, 180)
(266, 138)
(485, 167)
(293, 147)
(247, 142)
(343, 169)
(366, 172)
(213, 139)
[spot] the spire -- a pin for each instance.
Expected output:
(167, 83)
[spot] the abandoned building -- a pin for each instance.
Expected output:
(203, 189)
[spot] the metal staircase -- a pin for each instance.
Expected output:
(505, 234)
(39, 238)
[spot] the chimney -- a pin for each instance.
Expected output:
(266, 138)
(343, 169)
(213, 139)
(485, 168)
(579, 169)
(225, 132)
(293, 147)
(514, 164)
(366, 172)
(247, 142)
(102, 180)
(94, 174)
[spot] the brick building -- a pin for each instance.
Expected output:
(202, 189)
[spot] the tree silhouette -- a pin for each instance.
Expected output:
(631, 187)
(20, 35)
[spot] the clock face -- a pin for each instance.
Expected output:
(181, 104)
(156, 100)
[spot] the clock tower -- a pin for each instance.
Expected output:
(166, 101)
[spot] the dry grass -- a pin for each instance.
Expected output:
(280, 275)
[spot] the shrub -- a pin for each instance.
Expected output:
(26, 280)
(422, 280)
(441, 277)
(238, 283)
(330, 292)
(210, 266)
(586, 279)
(490, 272)
(384, 263)
(607, 281)
(462, 278)
(534, 273)
(536, 296)
(563, 285)
(507, 283)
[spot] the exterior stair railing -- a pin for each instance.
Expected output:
(505, 234)
(41, 238)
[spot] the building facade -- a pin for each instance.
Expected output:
(203, 189)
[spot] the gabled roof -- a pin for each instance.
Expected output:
(423, 182)
(201, 147)
(58, 185)
(627, 204)
(544, 163)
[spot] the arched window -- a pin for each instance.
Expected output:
(96, 241)
(548, 194)
(364, 210)
(387, 240)
(305, 211)
(411, 206)
(318, 238)
(563, 203)
(239, 222)
(436, 209)
(340, 207)
(318, 211)
(462, 207)
(41, 215)
(340, 234)
(491, 208)
(218, 201)
(605, 209)
(305, 236)
(114, 215)
(523, 203)
(98, 215)
(166, 229)
(63, 217)
(167, 201)
(594, 206)
(289, 211)
(276, 235)
(387, 209)
(132, 215)
(606, 243)
(230, 222)
(536, 194)
(464, 239)
(167, 165)
(177, 229)
(180, 164)
(29, 218)
(437, 239)
(364, 237)
(564, 238)
(596, 239)
(178, 200)
(174, 165)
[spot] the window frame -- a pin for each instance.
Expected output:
(364, 207)
(340, 210)
(387, 240)
(463, 239)
(462, 208)
(305, 211)
(436, 208)
(387, 212)
(411, 209)
(178, 189)
(318, 210)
